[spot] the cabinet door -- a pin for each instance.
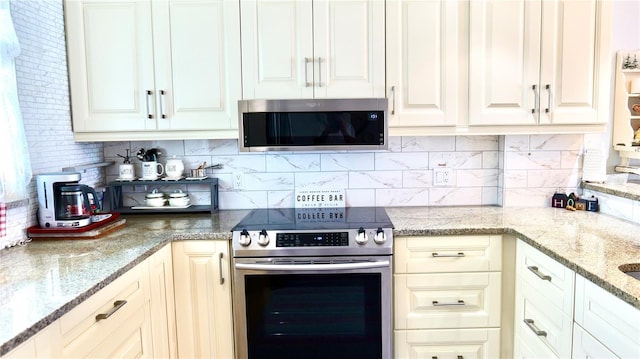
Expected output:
(585, 346)
(423, 55)
(611, 321)
(349, 48)
(277, 49)
(504, 62)
(197, 64)
(163, 319)
(203, 299)
(539, 62)
(110, 54)
(575, 69)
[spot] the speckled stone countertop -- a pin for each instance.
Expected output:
(44, 280)
(628, 190)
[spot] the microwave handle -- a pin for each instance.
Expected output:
(312, 267)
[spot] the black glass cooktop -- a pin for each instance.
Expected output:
(315, 219)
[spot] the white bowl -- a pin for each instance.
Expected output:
(179, 201)
(155, 202)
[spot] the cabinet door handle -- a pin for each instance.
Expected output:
(536, 98)
(220, 266)
(437, 304)
(393, 100)
(548, 88)
(116, 306)
(535, 271)
(161, 96)
(149, 114)
(306, 71)
(458, 357)
(438, 255)
(534, 328)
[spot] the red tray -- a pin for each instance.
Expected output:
(94, 230)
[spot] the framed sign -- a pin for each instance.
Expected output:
(319, 198)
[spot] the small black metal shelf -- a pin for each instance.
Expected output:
(116, 198)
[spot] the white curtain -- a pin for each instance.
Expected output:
(15, 165)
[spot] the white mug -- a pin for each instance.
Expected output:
(174, 167)
(151, 170)
(125, 171)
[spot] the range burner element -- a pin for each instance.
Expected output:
(313, 232)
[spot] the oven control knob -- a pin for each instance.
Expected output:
(380, 237)
(361, 237)
(263, 238)
(245, 238)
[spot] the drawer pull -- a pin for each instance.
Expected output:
(437, 304)
(116, 306)
(458, 357)
(438, 255)
(538, 332)
(535, 271)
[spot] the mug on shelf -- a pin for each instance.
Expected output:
(174, 167)
(151, 170)
(125, 171)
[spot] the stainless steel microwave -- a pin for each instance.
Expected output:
(313, 124)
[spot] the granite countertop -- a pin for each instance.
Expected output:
(45, 279)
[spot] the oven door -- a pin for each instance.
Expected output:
(313, 307)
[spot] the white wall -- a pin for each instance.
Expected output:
(43, 92)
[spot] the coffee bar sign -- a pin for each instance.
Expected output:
(320, 198)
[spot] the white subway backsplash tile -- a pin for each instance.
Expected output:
(347, 161)
(487, 170)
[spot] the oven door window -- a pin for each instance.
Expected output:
(314, 316)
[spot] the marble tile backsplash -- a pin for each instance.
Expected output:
(487, 170)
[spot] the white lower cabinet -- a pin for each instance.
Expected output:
(163, 317)
(447, 296)
(132, 317)
(543, 305)
(612, 322)
(587, 347)
(203, 299)
(113, 323)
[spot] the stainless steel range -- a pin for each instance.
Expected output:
(313, 283)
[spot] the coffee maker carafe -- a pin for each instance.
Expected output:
(63, 201)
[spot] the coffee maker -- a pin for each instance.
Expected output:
(63, 202)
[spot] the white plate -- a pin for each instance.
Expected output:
(161, 207)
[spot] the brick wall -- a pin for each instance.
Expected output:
(43, 91)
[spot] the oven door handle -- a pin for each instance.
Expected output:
(312, 267)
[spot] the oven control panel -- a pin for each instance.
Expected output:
(293, 239)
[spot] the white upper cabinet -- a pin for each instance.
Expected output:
(539, 62)
(167, 69)
(425, 55)
(313, 49)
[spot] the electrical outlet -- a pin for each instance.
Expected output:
(238, 180)
(442, 176)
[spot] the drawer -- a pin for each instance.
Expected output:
(447, 300)
(609, 319)
(538, 322)
(550, 278)
(448, 343)
(441, 254)
(83, 334)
